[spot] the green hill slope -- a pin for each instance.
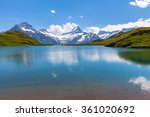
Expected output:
(137, 38)
(16, 39)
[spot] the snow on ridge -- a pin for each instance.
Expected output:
(28, 30)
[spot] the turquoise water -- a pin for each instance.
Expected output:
(70, 72)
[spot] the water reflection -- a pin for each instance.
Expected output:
(108, 55)
(142, 82)
(74, 55)
(84, 71)
(60, 56)
(141, 57)
(24, 59)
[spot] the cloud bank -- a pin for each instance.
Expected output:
(58, 29)
(111, 28)
(68, 27)
(140, 3)
(140, 23)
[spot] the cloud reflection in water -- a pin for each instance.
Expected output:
(68, 57)
(142, 82)
(73, 56)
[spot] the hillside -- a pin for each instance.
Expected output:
(137, 38)
(16, 39)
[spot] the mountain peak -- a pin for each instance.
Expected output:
(25, 25)
(43, 30)
(75, 30)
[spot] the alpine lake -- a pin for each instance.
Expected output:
(74, 73)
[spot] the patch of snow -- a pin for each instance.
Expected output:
(28, 30)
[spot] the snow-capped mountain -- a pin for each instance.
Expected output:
(106, 34)
(75, 36)
(30, 31)
(75, 30)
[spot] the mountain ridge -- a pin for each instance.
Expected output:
(28, 29)
(136, 38)
(75, 36)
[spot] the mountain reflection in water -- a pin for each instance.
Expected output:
(70, 72)
(71, 55)
(141, 57)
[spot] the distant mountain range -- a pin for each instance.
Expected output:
(76, 36)
(25, 34)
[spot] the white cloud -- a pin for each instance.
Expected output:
(58, 29)
(140, 3)
(70, 17)
(53, 11)
(81, 17)
(140, 23)
(92, 30)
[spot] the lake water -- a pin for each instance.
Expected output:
(70, 72)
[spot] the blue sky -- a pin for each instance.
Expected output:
(94, 12)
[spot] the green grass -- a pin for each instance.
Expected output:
(16, 39)
(137, 38)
